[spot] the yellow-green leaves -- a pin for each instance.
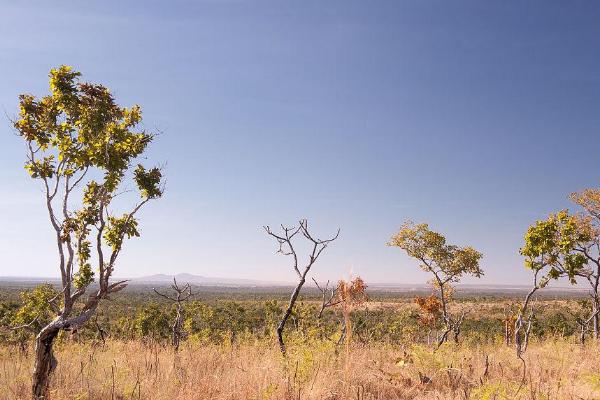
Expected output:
(148, 182)
(78, 126)
(84, 276)
(42, 168)
(553, 243)
(419, 241)
(431, 249)
(78, 137)
(118, 228)
(36, 305)
(466, 261)
(63, 83)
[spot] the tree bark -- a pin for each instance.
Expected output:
(522, 339)
(45, 363)
(596, 306)
(286, 315)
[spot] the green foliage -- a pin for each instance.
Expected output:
(436, 255)
(148, 181)
(77, 128)
(84, 125)
(152, 321)
(555, 324)
(118, 228)
(35, 304)
(130, 317)
(84, 276)
(32, 313)
(550, 246)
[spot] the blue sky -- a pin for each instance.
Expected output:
(476, 117)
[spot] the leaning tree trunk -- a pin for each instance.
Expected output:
(286, 315)
(595, 307)
(595, 322)
(45, 363)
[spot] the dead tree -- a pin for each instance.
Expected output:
(286, 247)
(584, 321)
(182, 294)
(329, 297)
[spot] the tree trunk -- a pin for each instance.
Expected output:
(286, 316)
(45, 363)
(596, 323)
(522, 339)
(595, 307)
(456, 330)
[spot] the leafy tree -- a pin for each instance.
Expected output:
(152, 322)
(549, 252)
(448, 263)
(589, 228)
(81, 145)
(36, 311)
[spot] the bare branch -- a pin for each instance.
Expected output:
(285, 240)
(24, 326)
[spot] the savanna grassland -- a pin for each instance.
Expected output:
(230, 350)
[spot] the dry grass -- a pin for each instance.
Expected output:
(555, 370)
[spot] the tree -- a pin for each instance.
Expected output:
(329, 297)
(151, 323)
(351, 294)
(82, 146)
(37, 310)
(447, 263)
(180, 295)
(430, 309)
(286, 247)
(549, 252)
(589, 227)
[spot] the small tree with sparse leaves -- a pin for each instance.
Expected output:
(550, 253)
(82, 146)
(448, 263)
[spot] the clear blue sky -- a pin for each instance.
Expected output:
(477, 117)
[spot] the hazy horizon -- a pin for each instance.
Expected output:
(477, 118)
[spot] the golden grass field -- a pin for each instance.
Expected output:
(556, 369)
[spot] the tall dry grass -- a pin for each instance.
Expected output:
(555, 370)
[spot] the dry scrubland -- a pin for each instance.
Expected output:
(556, 369)
(79, 127)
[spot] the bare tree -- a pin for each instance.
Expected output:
(329, 296)
(181, 294)
(286, 247)
(583, 320)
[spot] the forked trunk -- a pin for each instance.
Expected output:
(45, 363)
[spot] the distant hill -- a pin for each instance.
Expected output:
(204, 280)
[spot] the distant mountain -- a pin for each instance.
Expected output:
(204, 280)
